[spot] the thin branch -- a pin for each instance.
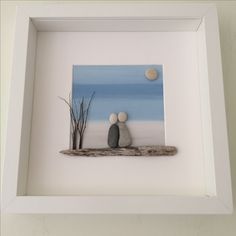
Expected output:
(70, 106)
(72, 116)
(78, 117)
(80, 123)
(87, 110)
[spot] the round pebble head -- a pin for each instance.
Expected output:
(122, 116)
(113, 118)
(151, 74)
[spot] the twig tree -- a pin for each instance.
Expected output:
(78, 119)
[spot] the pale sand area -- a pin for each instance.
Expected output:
(142, 133)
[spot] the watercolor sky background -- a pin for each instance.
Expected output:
(120, 88)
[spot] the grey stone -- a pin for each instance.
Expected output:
(113, 136)
(125, 137)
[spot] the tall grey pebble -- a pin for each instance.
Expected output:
(125, 139)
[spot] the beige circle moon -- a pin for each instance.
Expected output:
(151, 74)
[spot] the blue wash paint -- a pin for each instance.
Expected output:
(119, 88)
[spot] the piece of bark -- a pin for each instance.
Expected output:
(145, 151)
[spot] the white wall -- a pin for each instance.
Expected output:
(57, 225)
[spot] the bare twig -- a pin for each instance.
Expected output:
(78, 117)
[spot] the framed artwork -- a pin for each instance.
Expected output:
(117, 109)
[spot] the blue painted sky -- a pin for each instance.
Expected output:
(120, 88)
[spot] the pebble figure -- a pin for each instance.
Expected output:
(125, 137)
(113, 133)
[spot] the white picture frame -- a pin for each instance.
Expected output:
(104, 17)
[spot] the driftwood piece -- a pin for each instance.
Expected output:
(129, 151)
